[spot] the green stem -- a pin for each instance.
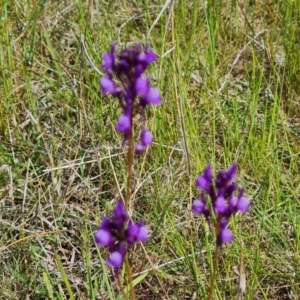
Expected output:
(129, 278)
(215, 268)
(121, 287)
(130, 158)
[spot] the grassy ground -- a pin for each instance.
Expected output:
(229, 73)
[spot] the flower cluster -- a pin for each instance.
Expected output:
(118, 233)
(225, 198)
(125, 81)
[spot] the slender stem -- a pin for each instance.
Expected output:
(129, 278)
(213, 276)
(121, 287)
(215, 267)
(130, 158)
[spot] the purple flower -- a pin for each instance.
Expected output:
(103, 237)
(124, 80)
(147, 57)
(199, 207)
(142, 86)
(124, 124)
(115, 260)
(224, 202)
(204, 181)
(118, 233)
(137, 232)
(220, 205)
(107, 85)
(225, 235)
(146, 140)
(153, 97)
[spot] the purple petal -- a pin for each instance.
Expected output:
(132, 229)
(119, 209)
(201, 182)
(231, 172)
(115, 260)
(243, 204)
(233, 202)
(208, 172)
(108, 61)
(139, 148)
(153, 96)
(107, 85)
(143, 234)
(142, 86)
(124, 124)
(204, 181)
(131, 233)
(119, 217)
(224, 177)
(220, 205)
(146, 138)
(103, 237)
(147, 57)
(137, 232)
(226, 236)
(198, 207)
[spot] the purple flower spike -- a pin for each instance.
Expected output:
(124, 79)
(118, 234)
(224, 203)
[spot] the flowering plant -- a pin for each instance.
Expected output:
(118, 233)
(224, 203)
(124, 79)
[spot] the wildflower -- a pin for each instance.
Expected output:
(125, 81)
(118, 234)
(223, 201)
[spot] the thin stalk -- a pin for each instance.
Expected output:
(215, 268)
(121, 287)
(213, 276)
(129, 278)
(130, 159)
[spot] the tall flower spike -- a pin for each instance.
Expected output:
(124, 80)
(224, 203)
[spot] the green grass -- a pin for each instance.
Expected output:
(229, 74)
